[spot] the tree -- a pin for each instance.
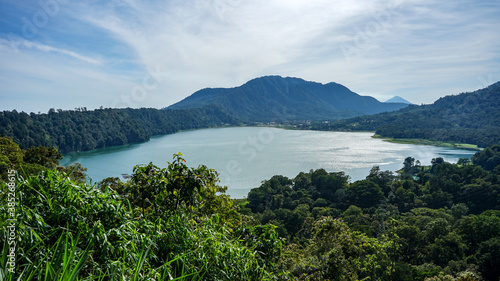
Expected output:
(264, 240)
(45, 156)
(477, 229)
(10, 155)
(364, 193)
(408, 164)
(381, 178)
(463, 161)
(435, 162)
(111, 182)
(489, 158)
(75, 171)
(301, 181)
(337, 253)
(355, 218)
(159, 192)
(447, 248)
(459, 210)
(336, 249)
(328, 184)
(412, 241)
(79, 129)
(488, 257)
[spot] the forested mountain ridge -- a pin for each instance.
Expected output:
(82, 130)
(472, 118)
(274, 98)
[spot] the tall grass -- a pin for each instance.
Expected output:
(74, 231)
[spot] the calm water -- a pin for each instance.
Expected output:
(245, 156)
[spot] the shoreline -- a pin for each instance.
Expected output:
(393, 140)
(429, 142)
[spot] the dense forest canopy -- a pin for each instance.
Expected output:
(81, 130)
(437, 222)
(173, 223)
(413, 225)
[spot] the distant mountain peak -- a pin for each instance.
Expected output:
(397, 99)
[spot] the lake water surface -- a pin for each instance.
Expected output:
(245, 156)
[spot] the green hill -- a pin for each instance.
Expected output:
(274, 98)
(472, 118)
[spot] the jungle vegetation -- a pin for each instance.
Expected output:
(420, 223)
(171, 223)
(83, 130)
(438, 222)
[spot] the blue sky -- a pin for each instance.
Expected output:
(126, 53)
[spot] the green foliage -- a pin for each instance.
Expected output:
(82, 130)
(488, 258)
(441, 277)
(489, 158)
(30, 162)
(66, 230)
(44, 156)
(355, 218)
(264, 240)
(441, 218)
(382, 178)
(176, 223)
(462, 276)
(364, 193)
(337, 253)
(468, 118)
(10, 155)
(75, 171)
(160, 192)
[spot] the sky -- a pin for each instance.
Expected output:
(67, 54)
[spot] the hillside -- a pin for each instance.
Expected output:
(472, 118)
(274, 98)
(82, 130)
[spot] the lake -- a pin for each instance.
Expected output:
(245, 156)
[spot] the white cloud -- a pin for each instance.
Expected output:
(35, 81)
(417, 49)
(46, 48)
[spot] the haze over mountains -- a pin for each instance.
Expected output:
(275, 98)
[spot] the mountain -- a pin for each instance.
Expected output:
(274, 98)
(397, 99)
(471, 118)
